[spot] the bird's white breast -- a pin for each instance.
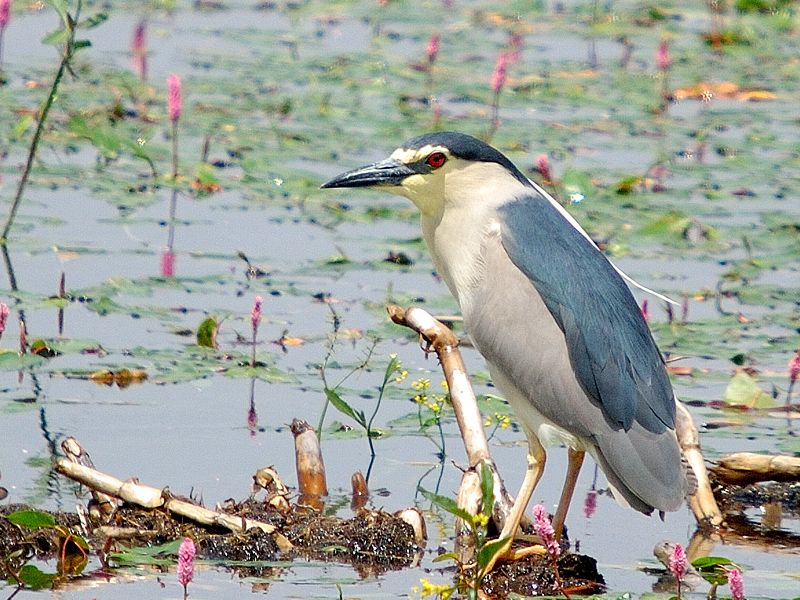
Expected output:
(455, 234)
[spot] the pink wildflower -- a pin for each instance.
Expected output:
(543, 166)
(544, 529)
(794, 366)
(5, 12)
(138, 51)
(590, 504)
(736, 584)
(678, 563)
(663, 61)
(174, 101)
(645, 311)
(167, 263)
(186, 554)
(433, 48)
(255, 314)
(499, 74)
(3, 316)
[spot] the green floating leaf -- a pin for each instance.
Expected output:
(743, 390)
(207, 333)
(35, 578)
(32, 519)
(714, 568)
(147, 555)
(674, 223)
(705, 563)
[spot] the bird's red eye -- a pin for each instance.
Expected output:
(436, 160)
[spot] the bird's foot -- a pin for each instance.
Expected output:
(508, 554)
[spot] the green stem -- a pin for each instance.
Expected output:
(70, 46)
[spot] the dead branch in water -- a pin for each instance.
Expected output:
(146, 496)
(701, 500)
(743, 468)
(445, 343)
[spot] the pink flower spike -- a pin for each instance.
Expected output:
(5, 12)
(433, 48)
(645, 311)
(590, 504)
(167, 263)
(174, 101)
(544, 529)
(255, 314)
(736, 584)
(499, 74)
(794, 366)
(543, 166)
(663, 61)
(186, 554)
(138, 51)
(678, 563)
(3, 316)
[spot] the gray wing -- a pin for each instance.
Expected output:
(614, 356)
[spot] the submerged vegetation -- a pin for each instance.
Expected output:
(168, 155)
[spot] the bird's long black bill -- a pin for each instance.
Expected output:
(387, 172)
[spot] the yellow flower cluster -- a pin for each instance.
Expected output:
(503, 421)
(437, 590)
(401, 376)
(434, 402)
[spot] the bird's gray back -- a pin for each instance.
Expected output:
(513, 327)
(611, 350)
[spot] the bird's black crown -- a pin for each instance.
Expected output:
(466, 147)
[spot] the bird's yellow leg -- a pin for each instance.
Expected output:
(536, 460)
(575, 461)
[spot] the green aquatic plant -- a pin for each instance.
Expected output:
(65, 37)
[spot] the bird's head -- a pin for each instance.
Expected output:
(433, 169)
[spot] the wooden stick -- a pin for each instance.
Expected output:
(701, 501)
(133, 492)
(360, 491)
(310, 467)
(445, 344)
(74, 452)
(743, 468)
(468, 499)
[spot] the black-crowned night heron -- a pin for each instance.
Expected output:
(563, 337)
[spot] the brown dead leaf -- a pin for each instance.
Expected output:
(724, 89)
(582, 74)
(351, 334)
(102, 377)
(680, 371)
(208, 188)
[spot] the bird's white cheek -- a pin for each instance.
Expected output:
(422, 192)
